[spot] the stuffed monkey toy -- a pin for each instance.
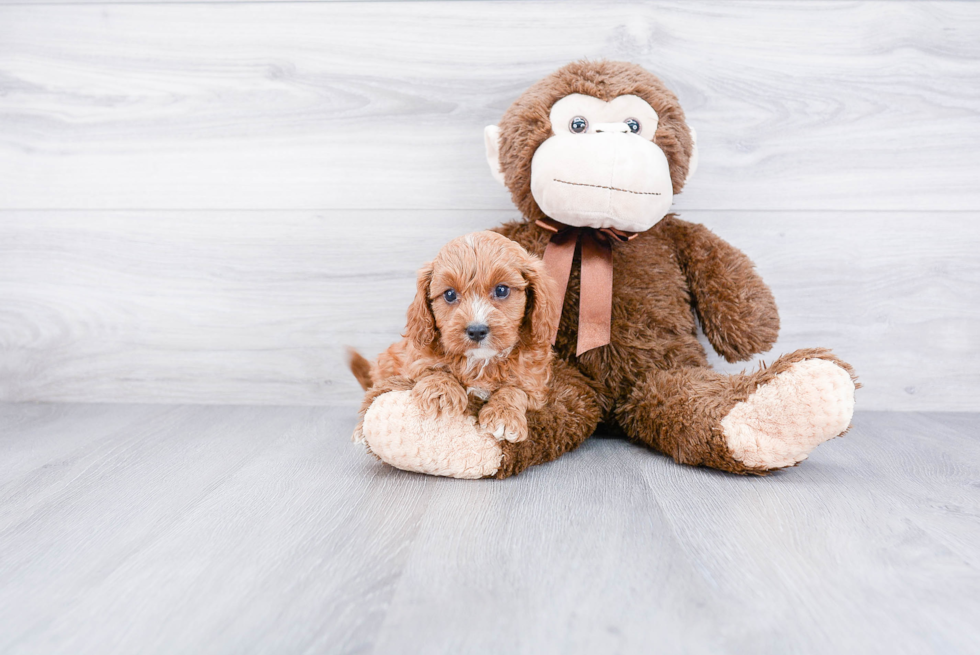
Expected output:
(592, 156)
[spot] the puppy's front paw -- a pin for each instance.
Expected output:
(436, 394)
(504, 422)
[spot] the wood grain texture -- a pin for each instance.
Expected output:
(162, 529)
(256, 307)
(798, 105)
(323, 151)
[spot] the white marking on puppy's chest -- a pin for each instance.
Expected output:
(482, 354)
(479, 392)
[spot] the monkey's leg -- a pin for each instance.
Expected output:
(569, 417)
(745, 423)
(400, 434)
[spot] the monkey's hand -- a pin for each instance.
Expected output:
(505, 414)
(440, 392)
(735, 307)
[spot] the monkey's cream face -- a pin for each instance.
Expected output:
(601, 168)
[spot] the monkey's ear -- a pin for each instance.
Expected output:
(421, 326)
(491, 137)
(692, 162)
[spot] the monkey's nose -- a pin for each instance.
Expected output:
(610, 127)
(477, 332)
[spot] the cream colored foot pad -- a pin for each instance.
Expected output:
(791, 415)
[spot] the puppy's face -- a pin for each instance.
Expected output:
(478, 294)
(480, 291)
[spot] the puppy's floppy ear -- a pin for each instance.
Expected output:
(543, 309)
(421, 327)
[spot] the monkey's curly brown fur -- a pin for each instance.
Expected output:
(659, 277)
(653, 379)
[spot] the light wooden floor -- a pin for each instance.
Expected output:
(178, 529)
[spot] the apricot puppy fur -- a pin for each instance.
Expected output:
(481, 325)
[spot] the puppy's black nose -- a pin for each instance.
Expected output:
(477, 332)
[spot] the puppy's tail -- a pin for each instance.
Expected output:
(360, 367)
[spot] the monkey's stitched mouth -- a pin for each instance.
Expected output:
(611, 188)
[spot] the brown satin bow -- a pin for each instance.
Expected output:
(595, 298)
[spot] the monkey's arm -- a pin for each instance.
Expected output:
(736, 309)
(569, 416)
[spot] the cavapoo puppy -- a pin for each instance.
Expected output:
(481, 326)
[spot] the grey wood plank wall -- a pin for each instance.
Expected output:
(205, 202)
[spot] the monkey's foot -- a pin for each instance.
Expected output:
(788, 416)
(402, 435)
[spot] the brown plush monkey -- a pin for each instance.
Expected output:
(592, 156)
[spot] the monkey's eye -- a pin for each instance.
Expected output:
(578, 125)
(501, 291)
(450, 296)
(633, 124)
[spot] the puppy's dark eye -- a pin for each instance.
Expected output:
(578, 125)
(633, 124)
(450, 296)
(501, 292)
